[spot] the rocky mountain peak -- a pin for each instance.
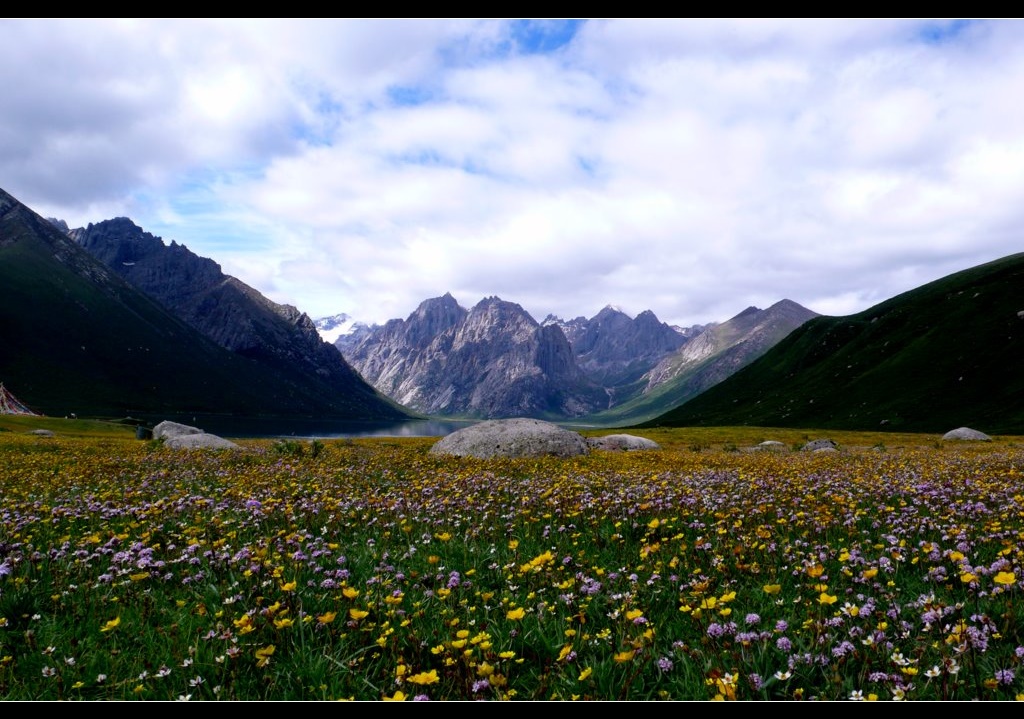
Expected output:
(493, 360)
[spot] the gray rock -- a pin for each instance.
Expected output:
(968, 434)
(622, 443)
(199, 441)
(816, 444)
(168, 429)
(182, 436)
(770, 445)
(519, 437)
(42, 433)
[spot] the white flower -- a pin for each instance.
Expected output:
(856, 696)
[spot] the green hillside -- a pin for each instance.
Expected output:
(78, 339)
(938, 357)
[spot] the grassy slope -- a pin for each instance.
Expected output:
(938, 357)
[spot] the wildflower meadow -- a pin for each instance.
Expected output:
(372, 570)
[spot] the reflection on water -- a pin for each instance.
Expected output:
(242, 427)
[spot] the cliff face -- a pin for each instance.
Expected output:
(491, 361)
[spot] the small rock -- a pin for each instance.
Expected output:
(622, 443)
(816, 444)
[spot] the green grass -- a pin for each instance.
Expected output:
(370, 569)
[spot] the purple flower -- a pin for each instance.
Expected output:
(1005, 676)
(752, 619)
(665, 664)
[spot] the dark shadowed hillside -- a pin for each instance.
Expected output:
(79, 338)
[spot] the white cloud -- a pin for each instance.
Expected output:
(689, 167)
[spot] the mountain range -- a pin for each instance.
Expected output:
(494, 360)
(108, 320)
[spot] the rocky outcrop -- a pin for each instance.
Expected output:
(517, 437)
(492, 361)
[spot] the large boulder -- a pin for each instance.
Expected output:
(168, 429)
(622, 443)
(967, 434)
(182, 436)
(519, 437)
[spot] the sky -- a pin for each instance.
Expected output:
(692, 167)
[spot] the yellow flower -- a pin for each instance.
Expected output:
(326, 617)
(1005, 578)
(772, 588)
(284, 623)
(634, 614)
(967, 578)
(263, 655)
(537, 563)
(350, 592)
(398, 696)
(357, 614)
(425, 677)
(515, 614)
(826, 598)
(138, 577)
(815, 571)
(289, 586)
(585, 673)
(626, 656)
(869, 573)
(111, 625)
